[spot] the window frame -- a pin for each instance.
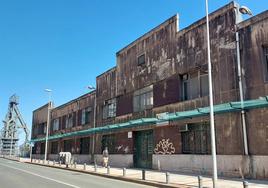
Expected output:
(143, 57)
(196, 140)
(265, 62)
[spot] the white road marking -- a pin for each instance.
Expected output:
(61, 182)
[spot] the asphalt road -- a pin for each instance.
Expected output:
(20, 175)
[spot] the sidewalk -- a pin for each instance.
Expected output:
(154, 177)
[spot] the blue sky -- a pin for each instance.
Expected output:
(65, 44)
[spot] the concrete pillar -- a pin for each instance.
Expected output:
(75, 165)
(85, 166)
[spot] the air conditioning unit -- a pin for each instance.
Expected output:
(183, 128)
(161, 115)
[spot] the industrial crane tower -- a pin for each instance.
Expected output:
(13, 121)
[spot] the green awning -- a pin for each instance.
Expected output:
(218, 109)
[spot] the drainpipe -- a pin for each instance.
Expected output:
(238, 19)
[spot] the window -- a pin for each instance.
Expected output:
(109, 109)
(196, 140)
(194, 85)
(109, 142)
(143, 99)
(54, 148)
(68, 146)
(84, 145)
(69, 121)
(42, 150)
(55, 125)
(141, 59)
(265, 52)
(86, 115)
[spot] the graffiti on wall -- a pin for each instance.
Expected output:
(164, 147)
(122, 148)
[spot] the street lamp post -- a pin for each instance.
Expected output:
(48, 119)
(212, 127)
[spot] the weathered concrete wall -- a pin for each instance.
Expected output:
(228, 165)
(39, 117)
(117, 160)
(253, 37)
(106, 89)
(74, 107)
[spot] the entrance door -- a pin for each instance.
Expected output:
(143, 149)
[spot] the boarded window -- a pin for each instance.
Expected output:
(84, 145)
(143, 99)
(265, 52)
(108, 141)
(54, 148)
(141, 59)
(196, 140)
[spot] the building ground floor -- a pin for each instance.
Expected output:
(182, 146)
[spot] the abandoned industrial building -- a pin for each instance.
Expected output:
(152, 110)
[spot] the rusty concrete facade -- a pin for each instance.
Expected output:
(157, 64)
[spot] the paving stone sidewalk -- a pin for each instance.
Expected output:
(175, 179)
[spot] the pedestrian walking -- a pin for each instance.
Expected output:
(105, 156)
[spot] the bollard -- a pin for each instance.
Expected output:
(75, 165)
(124, 172)
(95, 168)
(60, 163)
(43, 161)
(200, 182)
(85, 166)
(48, 162)
(54, 163)
(167, 177)
(143, 174)
(38, 160)
(108, 169)
(245, 184)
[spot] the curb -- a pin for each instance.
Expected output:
(143, 182)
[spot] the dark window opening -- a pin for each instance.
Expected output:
(54, 148)
(68, 146)
(141, 59)
(196, 139)
(265, 52)
(84, 145)
(42, 150)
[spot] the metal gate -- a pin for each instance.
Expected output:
(143, 149)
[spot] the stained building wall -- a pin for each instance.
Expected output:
(253, 39)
